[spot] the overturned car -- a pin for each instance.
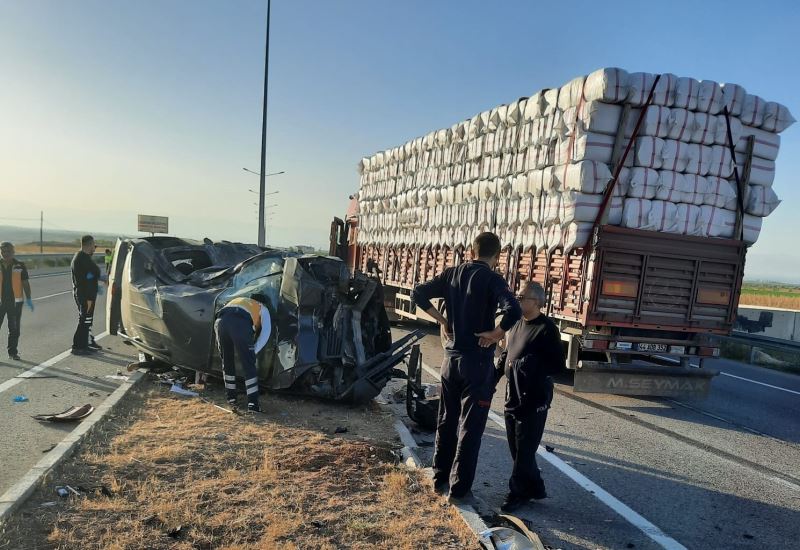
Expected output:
(330, 332)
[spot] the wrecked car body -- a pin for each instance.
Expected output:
(330, 332)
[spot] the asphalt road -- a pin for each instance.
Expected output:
(722, 472)
(65, 381)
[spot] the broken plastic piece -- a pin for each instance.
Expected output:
(503, 538)
(73, 414)
(20, 399)
(340, 430)
(549, 449)
(183, 391)
(117, 377)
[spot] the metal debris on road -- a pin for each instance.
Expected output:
(73, 414)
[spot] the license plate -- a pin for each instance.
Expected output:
(651, 347)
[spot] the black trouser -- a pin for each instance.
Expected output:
(80, 339)
(467, 388)
(13, 311)
(234, 330)
(524, 432)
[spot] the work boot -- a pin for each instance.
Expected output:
(14, 356)
(464, 500)
(95, 346)
(513, 502)
(80, 351)
(253, 407)
(441, 487)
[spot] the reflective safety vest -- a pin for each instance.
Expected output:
(109, 258)
(250, 306)
(16, 281)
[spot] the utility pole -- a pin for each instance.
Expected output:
(262, 237)
(41, 232)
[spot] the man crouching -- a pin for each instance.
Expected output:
(532, 353)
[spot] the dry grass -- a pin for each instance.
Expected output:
(768, 295)
(279, 480)
(33, 248)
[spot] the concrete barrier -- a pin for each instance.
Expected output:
(769, 322)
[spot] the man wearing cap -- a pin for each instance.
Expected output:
(15, 288)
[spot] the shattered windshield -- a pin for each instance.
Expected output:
(262, 275)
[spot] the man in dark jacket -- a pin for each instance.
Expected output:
(472, 293)
(533, 353)
(15, 288)
(85, 287)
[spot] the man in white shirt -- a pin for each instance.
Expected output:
(244, 325)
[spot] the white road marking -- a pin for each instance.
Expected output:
(760, 383)
(52, 295)
(650, 530)
(30, 373)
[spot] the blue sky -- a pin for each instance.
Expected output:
(112, 108)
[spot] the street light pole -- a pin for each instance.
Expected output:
(262, 182)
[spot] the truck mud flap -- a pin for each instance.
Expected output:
(595, 377)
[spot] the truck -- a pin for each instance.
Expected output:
(639, 311)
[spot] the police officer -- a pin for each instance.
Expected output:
(243, 324)
(472, 293)
(14, 289)
(533, 353)
(85, 288)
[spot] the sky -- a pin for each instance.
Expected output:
(114, 108)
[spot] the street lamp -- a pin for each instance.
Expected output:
(262, 237)
(265, 175)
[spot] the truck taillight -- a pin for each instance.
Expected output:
(708, 352)
(713, 296)
(620, 287)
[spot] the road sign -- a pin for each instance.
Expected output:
(153, 224)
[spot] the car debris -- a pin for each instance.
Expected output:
(330, 336)
(175, 388)
(20, 399)
(73, 414)
(422, 400)
(506, 538)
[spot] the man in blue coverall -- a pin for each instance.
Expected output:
(472, 293)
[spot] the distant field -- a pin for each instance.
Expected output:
(47, 249)
(782, 296)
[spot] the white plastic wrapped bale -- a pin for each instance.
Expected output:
(674, 155)
(583, 207)
(650, 215)
(698, 159)
(647, 152)
(721, 130)
(609, 85)
(528, 237)
(671, 186)
(551, 204)
(762, 171)
(734, 97)
(721, 193)
(576, 235)
(604, 118)
(717, 222)
(704, 129)
(760, 201)
(640, 183)
(710, 98)
(776, 117)
(553, 237)
(765, 145)
(687, 219)
(598, 147)
(585, 176)
(721, 162)
(639, 85)
(684, 94)
(751, 228)
(680, 124)
(571, 93)
(753, 111)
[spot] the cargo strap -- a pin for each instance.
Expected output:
(740, 184)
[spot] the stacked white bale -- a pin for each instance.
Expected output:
(535, 170)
